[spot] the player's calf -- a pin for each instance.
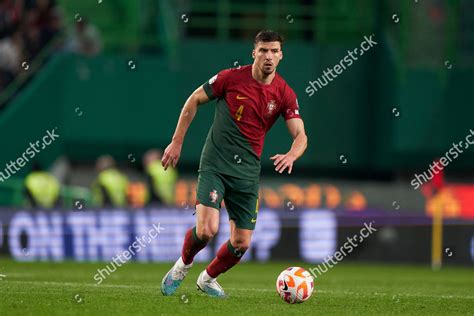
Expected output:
(193, 243)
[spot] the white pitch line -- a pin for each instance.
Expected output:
(396, 295)
(126, 286)
(338, 293)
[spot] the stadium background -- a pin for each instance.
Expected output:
(388, 116)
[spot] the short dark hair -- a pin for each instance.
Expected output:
(268, 36)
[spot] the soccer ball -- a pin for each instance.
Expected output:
(294, 285)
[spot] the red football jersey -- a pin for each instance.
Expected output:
(254, 106)
(245, 110)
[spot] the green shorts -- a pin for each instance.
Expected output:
(240, 196)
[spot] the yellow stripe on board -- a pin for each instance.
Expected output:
(437, 238)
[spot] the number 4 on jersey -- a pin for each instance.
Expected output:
(238, 114)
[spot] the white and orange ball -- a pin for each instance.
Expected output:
(295, 285)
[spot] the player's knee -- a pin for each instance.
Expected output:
(241, 244)
(206, 232)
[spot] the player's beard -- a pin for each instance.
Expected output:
(268, 70)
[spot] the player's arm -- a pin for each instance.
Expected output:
(300, 142)
(173, 151)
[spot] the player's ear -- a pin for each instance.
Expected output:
(253, 53)
(281, 54)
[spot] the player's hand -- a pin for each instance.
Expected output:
(283, 161)
(171, 155)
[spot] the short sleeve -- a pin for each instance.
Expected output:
(216, 86)
(290, 109)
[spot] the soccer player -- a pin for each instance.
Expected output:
(249, 100)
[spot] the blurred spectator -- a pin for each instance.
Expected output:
(137, 194)
(26, 26)
(435, 183)
(10, 57)
(42, 189)
(162, 183)
(110, 186)
(85, 39)
(11, 13)
(43, 22)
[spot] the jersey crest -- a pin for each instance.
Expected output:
(213, 196)
(271, 107)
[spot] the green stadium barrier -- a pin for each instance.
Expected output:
(129, 110)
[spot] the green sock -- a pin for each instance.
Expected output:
(196, 238)
(234, 251)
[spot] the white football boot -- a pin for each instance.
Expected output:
(209, 285)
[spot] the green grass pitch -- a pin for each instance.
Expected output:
(347, 289)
